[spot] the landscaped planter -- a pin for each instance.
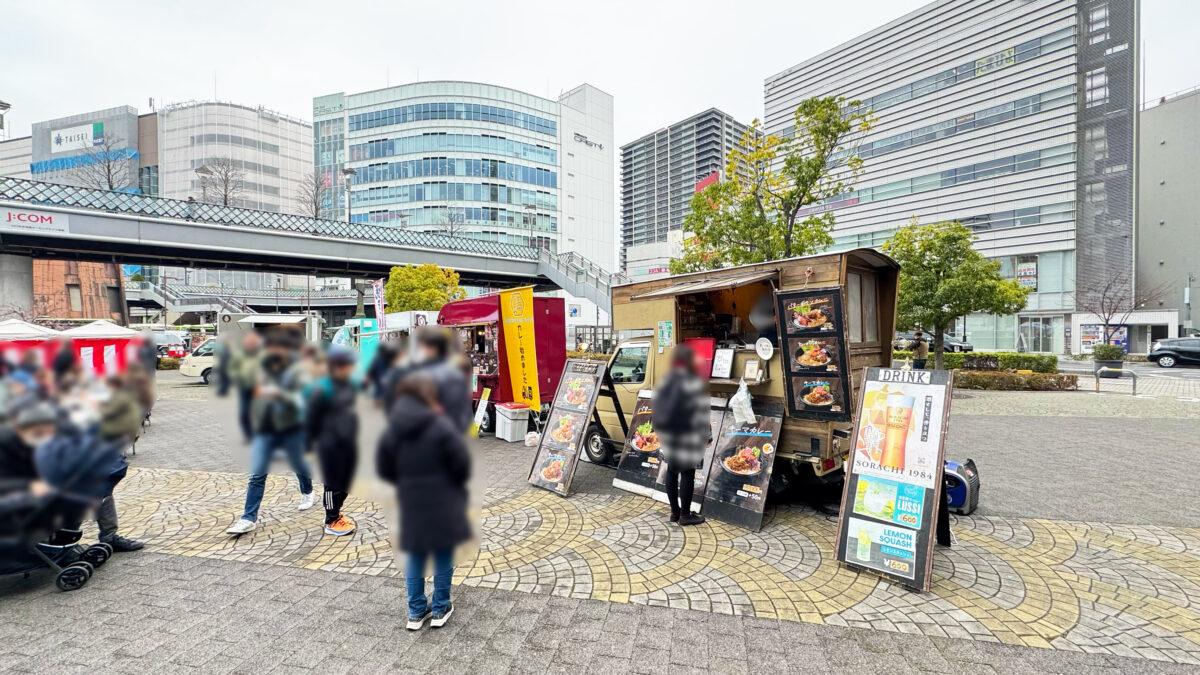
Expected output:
(1108, 356)
(1115, 365)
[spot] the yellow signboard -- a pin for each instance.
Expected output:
(516, 318)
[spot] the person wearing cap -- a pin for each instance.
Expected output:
(33, 425)
(332, 427)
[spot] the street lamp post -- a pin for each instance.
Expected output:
(347, 175)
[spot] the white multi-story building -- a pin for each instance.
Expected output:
(476, 160)
(1016, 118)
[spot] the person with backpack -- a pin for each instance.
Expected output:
(332, 426)
(680, 416)
(423, 453)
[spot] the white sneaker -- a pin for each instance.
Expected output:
(242, 526)
(416, 623)
(308, 501)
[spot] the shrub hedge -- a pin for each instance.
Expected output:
(167, 363)
(1108, 353)
(1009, 381)
(1038, 363)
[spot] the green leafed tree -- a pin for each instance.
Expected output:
(764, 209)
(942, 278)
(421, 287)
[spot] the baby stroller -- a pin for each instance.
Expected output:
(31, 540)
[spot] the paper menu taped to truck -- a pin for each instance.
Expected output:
(894, 476)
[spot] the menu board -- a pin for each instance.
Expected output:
(816, 363)
(894, 478)
(715, 417)
(740, 471)
(641, 461)
(561, 441)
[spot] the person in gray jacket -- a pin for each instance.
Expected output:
(434, 351)
(277, 416)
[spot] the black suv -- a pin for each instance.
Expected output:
(1170, 353)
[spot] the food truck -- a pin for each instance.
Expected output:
(476, 322)
(824, 318)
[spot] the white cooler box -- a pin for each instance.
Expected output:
(512, 421)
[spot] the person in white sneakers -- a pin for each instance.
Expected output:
(277, 417)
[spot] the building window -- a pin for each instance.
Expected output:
(1097, 24)
(1097, 140)
(1096, 87)
(114, 300)
(75, 297)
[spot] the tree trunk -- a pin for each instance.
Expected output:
(939, 337)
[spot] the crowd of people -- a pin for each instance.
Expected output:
(293, 399)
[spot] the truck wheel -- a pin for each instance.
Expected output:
(488, 425)
(596, 446)
(205, 375)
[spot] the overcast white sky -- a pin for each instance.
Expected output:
(661, 60)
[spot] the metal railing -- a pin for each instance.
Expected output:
(35, 193)
(1119, 371)
(582, 270)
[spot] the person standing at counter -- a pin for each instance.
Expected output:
(681, 419)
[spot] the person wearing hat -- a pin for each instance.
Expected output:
(33, 424)
(332, 427)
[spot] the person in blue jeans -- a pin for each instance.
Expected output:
(424, 454)
(277, 416)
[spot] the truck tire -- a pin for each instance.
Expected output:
(206, 375)
(595, 444)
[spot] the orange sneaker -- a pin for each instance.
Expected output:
(340, 527)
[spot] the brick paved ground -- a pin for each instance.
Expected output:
(600, 581)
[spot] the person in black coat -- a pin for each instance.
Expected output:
(331, 424)
(681, 418)
(425, 455)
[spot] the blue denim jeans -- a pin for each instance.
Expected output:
(262, 448)
(414, 578)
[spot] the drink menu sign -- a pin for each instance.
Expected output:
(740, 469)
(816, 366)
(562, 439)
(894, 477)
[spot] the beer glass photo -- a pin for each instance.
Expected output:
(899, 418)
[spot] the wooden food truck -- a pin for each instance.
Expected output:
(476, 322)
(826, 318)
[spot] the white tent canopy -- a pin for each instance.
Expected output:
(16, 329)
(100, 330)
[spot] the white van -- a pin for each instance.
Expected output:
(201, 361)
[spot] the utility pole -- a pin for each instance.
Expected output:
(1187, 302)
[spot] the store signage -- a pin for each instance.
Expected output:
(74, 139)
(739, 473)
(666, 335)
(561, 441)
(658, 270)
(894, 479)
(1027, 273)
(816, 365)
(41, 221)
(516, 318)
(995, 61)
(584, 139)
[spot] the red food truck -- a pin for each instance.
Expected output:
(477, 323)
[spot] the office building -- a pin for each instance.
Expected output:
(475, 160)
(660, 173)
(15, 156)
(1016, 118)
(1168, 241)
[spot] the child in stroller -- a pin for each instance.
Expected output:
(48, 481)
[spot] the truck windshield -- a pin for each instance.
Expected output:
(629, 365)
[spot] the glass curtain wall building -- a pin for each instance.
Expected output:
(1017, 119)
(659, 175)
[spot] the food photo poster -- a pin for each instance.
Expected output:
(812, 328)
(561, 441)
(740, 470)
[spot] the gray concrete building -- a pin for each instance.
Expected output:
(1016, 118)
(659, 175)
(1168, 241)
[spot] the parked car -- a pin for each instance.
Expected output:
(905, 339)
(201, 361)
(1175, 351)
(169, 344)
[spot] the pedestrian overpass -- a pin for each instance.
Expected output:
(46, 220)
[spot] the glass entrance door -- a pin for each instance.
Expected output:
(1035, 334)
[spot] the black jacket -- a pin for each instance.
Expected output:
(330, 420)
(454, 392)
(17, 469)
(425, 456)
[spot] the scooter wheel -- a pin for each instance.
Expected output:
(97, 555)
(72, 578)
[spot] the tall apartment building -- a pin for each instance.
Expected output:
(659, 174)
(475, 160)
(1016, 118)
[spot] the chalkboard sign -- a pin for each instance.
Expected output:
(816, 366)
(894, 478)
(562, 439)
(739, 472)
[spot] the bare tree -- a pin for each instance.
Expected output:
(1114, 299)
(311, 194)
(104, 165)
(14, 310)
(452, 222)
(221, 181)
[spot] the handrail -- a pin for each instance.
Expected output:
(1106, 369)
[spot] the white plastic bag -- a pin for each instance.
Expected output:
(743, 412)
(531, 439)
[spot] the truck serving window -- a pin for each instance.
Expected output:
(629, 365)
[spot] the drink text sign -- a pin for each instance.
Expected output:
(894, 476)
